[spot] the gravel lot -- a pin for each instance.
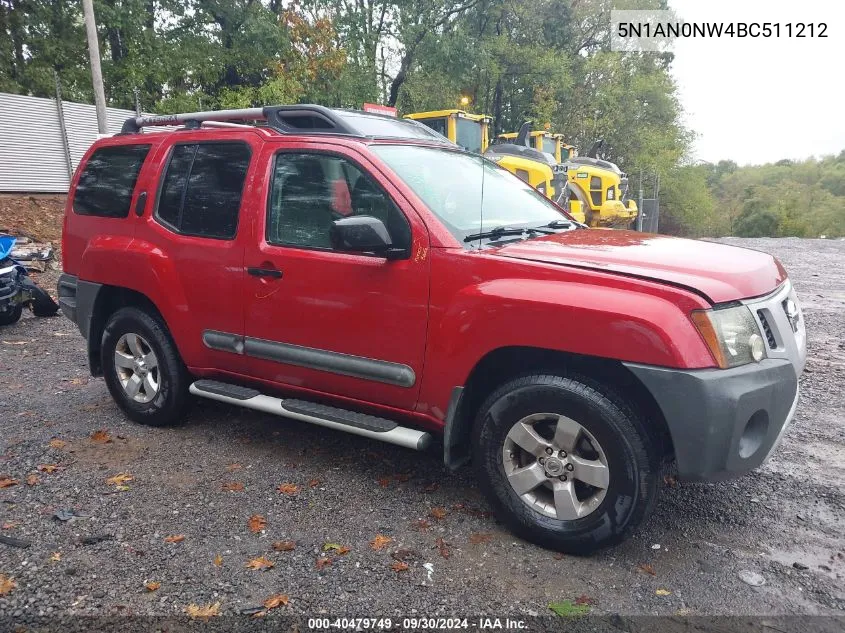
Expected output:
(785, 522)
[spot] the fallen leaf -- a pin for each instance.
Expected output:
(558, 556)
(152, 586)
(176, 538)
(10, 525)
(380, 541)
(77, 381)
(443, 546)
(260, 563)
(233, 486)
(647, 569)
(314, 483)
(6, 585)
(567, 608)
(438, 513)
(256, 523)
(218, 560)
(431, 487)
(56, 557)
(47, 468)
(288, 489)
(324, 561)
(480, 537)
(279, 600)
(340, 549)
(101, 436)
(398, 566)
(57, 443)
(422, 524)
(32, 480)
(233, 467)
(197, 612)
(284, 546)
(670, 480)
(662, 592)
(384, 482)
(119, 479)
(584, 599)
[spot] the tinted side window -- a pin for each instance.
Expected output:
(310, 191)
(106, 184)
(170, 199)
(201, 192)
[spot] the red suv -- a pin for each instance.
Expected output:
(362, 273)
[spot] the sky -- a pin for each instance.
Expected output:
(757, 100)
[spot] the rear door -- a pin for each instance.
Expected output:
(200, 220)
(328, 321)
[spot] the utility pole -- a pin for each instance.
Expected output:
(96, 71)
(640, 204)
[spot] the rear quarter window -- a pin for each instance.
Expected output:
(107, 181)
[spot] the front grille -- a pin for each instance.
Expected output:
(770, 337)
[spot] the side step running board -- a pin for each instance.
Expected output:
(339, 419)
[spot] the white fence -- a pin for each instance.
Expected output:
(40, 148)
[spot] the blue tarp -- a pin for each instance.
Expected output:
(7, 243)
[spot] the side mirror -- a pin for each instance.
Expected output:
(361, 234)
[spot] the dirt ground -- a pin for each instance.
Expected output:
(94, 544)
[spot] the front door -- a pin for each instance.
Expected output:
(329, 321)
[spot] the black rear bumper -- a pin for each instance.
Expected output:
(723, 422)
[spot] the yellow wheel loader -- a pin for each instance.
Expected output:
(597, 188)
(472, 132)
(600, 188)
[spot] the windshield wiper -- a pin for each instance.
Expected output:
(501, 231)
(558, 224)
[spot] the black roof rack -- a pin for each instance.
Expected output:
(299, 119)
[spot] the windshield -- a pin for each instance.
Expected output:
(468, 135)
(549, 145)
(450, 184)
(438, 125)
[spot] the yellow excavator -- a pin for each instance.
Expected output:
(597, 188)
(472, 132)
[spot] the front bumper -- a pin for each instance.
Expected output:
(723, 422)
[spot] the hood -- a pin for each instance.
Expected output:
(719, 272)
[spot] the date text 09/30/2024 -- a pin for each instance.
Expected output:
(418, 623)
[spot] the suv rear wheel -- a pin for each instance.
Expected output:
(565, 462)
(143, 370)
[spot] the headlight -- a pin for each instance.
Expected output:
(731, 334)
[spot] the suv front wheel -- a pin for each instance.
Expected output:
(565, 462)
(143, 370)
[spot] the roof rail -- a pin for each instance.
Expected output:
(288, 119)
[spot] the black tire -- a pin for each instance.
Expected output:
(631, 453)
(7, 317)
(171, 401)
